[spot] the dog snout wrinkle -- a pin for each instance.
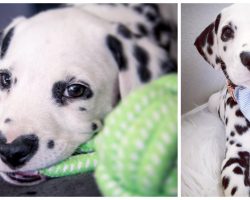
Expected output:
(245, 58)
(21, 150)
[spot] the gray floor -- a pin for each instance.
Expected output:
(80, 185)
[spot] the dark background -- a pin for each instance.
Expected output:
(10, 11)
(80, 185)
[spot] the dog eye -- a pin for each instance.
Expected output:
(5, 80)
(227, 33)
(78, 90)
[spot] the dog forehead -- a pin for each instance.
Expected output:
(56, 34)
(237, 13)
(59, 43)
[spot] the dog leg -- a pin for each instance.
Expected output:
(235, 166)
(235, 172)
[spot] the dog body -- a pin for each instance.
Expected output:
(62, 71)
(225, 45)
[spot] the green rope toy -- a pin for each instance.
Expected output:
(137, 149)
(84, 161)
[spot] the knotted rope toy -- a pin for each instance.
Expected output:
(85, 160)
(137, 149)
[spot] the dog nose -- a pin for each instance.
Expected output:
(245, 58)
(18, 152)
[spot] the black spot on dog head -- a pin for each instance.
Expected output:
(227, 33)
(226, 121)
(225, 48)
(50, 144)
(6, 42)
(65, 91)
(225, 182)
(116, 48)
(7, 120)
(233, 190)
(57, 92)
(238, 170)
(142, 57)
(124, 31)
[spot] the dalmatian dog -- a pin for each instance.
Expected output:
(225, 45)
(63, 70)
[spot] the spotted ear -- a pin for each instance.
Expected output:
(6, 35)
(207, 44)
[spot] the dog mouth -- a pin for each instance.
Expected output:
(24, 178)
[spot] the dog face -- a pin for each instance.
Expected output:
(225, 43)
(56, 85)
(61, 72)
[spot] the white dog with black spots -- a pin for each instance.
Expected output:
(225, 44)
(63, 70)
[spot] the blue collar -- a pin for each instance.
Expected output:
(242, 96)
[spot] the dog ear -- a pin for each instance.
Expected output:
(6, 35)
(207, 43)
(13, 23)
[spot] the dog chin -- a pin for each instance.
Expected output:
(27, 178)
